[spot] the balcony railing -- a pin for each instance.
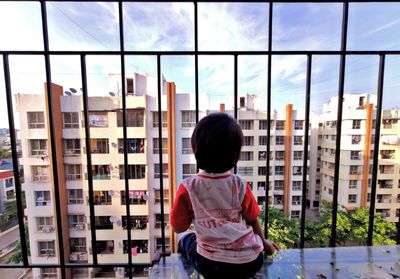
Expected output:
(106, 247)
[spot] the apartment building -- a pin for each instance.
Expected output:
(356, 154)
(7, 187)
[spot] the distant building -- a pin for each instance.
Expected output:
(357, 144)
(7, 187)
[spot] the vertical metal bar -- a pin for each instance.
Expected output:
(332, 241)
(13, 139)
(235, 93)
(52, 137)
(269, 93)
(376, 149)
(159, 88)
(305, 151)
(196, 62)
(88, 157)
(125, 135)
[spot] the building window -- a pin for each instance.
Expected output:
(330, 191)
(38, 147)
(262, 155)
(40, 173)
(299, 124)
(102, 172)
(246, 156)
(279, 140)
(164, 170)
(297, 170)
(36, 120)
(70, 120)
(385, 184)
(135, 145)
(134, 118)
(72, 147)
(355, 155)
(261, 201)
(260, 184)
(75, 196)
(248, 141)
(296, 200)
(386, 169)
(156, 145)
(298, 140)
(76, 222)
(279, 155)
(278, 199)
(78, 244)
(388, 154)
(353, 184)
(158, 221)
(135, 197)
(73, 172)
(246, 124)
(245, 171)
(356, 124)
(138, 247)
(188, 119)
(10, 195)
(103, 223)
(262, 140)
(354, 170)
(355, 139)
(129, 87)
(187, 146)
(263, 124)
(138, 222)
(102, 198)
(44, 224)
(46, 248)
(262, 170)
(105, 247)
(99, 146)
(297, 155)
(134, 171)
(295, 214)
(157, 196)
(279, 170)
(159, 244)
(278, 185)
(163, 119)
(296, 185)
(384, 198)
(48, 272)
(280, 124)
(98, 119)
(188, 170)
(352, 198)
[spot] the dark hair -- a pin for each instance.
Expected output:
(216, 142)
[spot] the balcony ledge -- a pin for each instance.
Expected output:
(343, 262)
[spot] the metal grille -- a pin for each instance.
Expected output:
(343, 53)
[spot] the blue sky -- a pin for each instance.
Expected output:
(166, 26)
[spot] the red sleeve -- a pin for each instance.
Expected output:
(250, 208)
(182, 212)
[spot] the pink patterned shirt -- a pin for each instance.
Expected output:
(219, 205)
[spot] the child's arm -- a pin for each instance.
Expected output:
(181, 212)
(269, 246)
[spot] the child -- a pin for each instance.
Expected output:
(229, 241)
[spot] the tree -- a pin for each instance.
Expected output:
(5, 153)
(281, 229)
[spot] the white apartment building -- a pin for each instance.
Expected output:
(357, 143)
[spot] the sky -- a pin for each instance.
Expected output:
(221, 26)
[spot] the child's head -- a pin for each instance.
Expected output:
(216, 143)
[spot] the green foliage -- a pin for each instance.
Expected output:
(351, 228)
(16, 257)
(5, 153)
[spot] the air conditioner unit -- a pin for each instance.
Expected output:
(73, 257)
(83, 257)
(79, 227)
(47, 229)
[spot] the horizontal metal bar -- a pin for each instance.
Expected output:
(233, 1)
(202, 52)
(71, 265)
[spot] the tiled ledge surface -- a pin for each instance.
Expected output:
(379, 262)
